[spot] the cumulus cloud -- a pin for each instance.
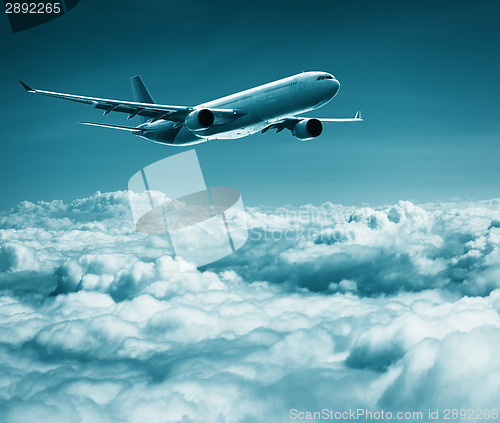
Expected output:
(394, 308)
(383, 250)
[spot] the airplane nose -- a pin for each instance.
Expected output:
(335, 86)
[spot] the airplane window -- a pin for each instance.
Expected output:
(318, 78)
(328, 77)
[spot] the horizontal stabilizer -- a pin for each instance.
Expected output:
(136, 131)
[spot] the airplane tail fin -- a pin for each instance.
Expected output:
(141, 93)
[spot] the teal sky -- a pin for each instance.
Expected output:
(425, 75)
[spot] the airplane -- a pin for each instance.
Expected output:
(271, 106)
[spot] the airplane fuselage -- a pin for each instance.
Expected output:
(261, 105)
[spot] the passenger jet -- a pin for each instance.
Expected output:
(270, 106)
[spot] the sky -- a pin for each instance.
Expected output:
(424, 74)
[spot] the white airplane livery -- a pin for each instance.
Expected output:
(270, 106)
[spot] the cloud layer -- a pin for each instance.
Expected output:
(393, 308)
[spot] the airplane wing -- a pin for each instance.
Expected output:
(290, 122)
(150, 110)
(357, 118)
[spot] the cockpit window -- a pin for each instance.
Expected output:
(329, 77)
(319, 78)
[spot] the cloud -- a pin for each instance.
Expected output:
(383, 250)
(394, 308)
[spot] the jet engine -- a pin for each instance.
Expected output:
(308, 129)
(198, 120)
